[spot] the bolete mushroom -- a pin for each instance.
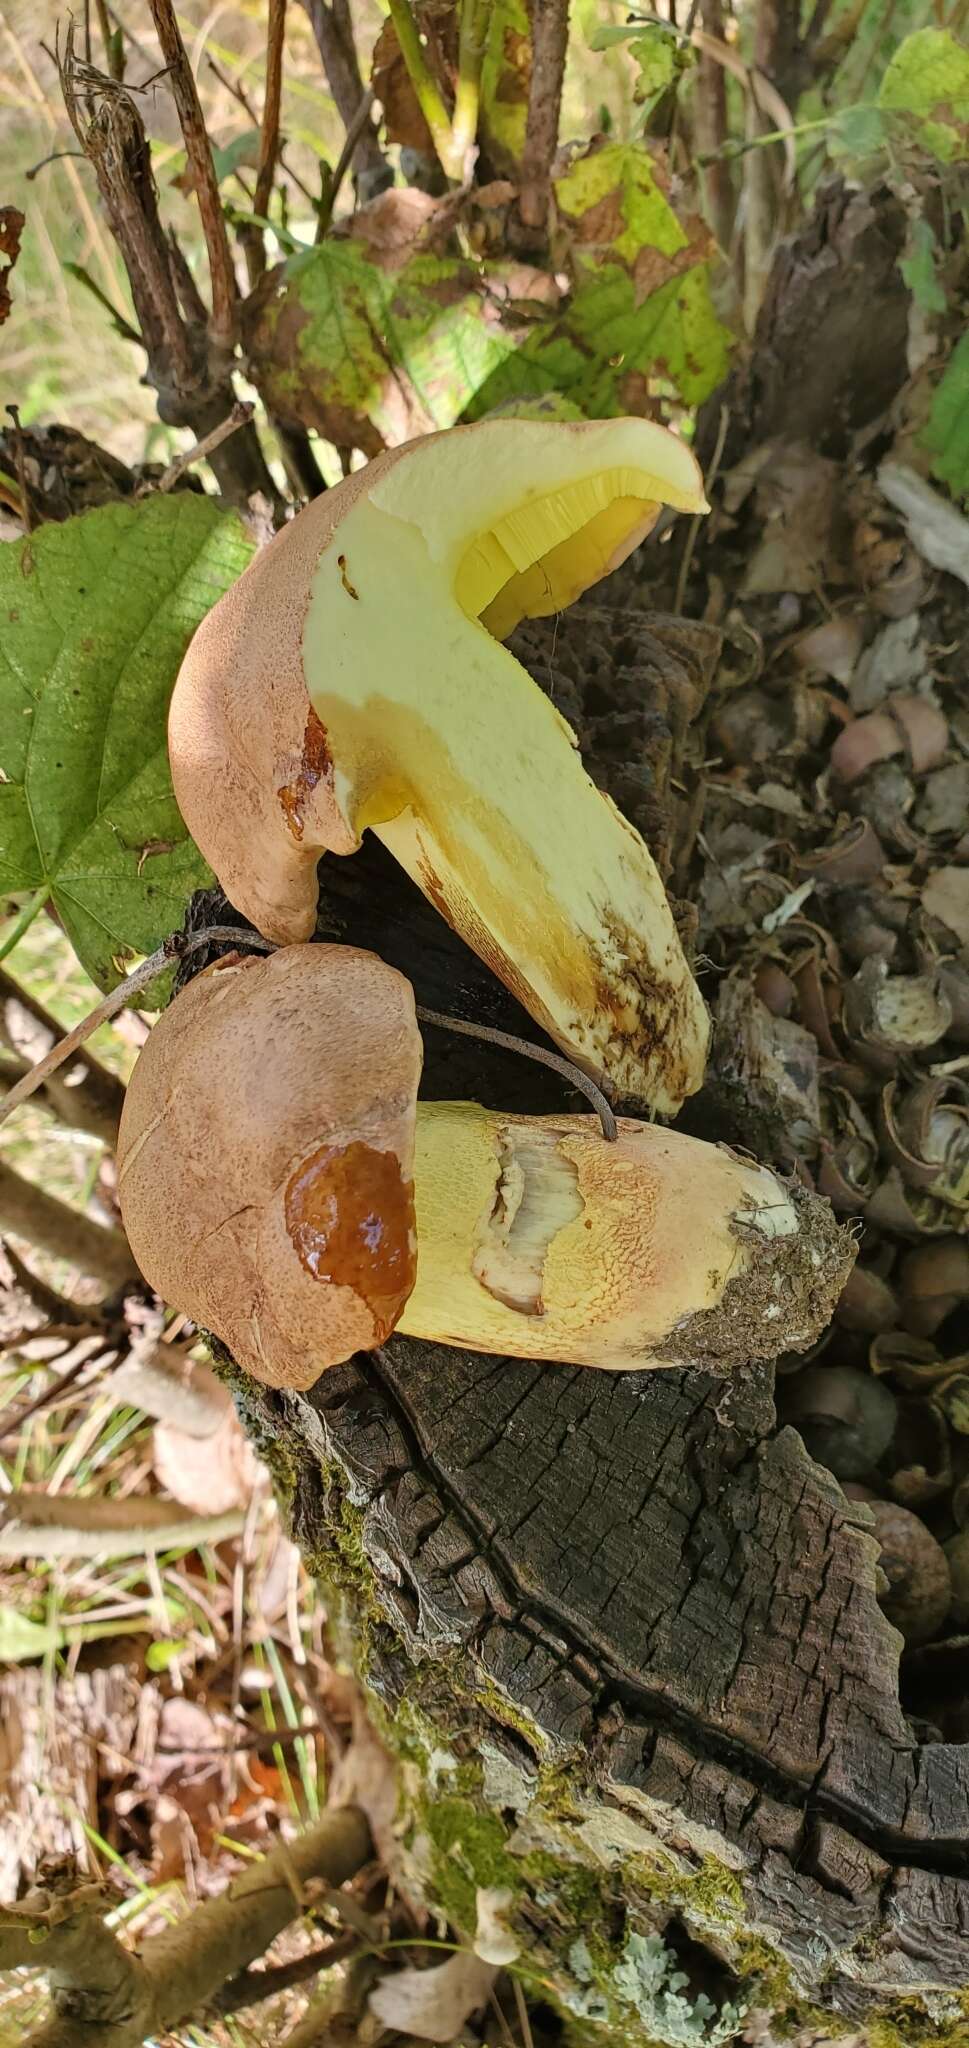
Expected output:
(270, 1185)
(354, 679)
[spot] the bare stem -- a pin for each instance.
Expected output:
(199, 152)
(255, 247)
(240, 416)
(425, 87)
(103, 1992)
(45, 1525)
(174, 948)
(473, 35)
(30, 1212)
(550, 33)
(87, 1098)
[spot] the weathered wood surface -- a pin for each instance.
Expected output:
(634, 1577)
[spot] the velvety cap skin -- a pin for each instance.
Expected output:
(265, 1160)
(355, 679)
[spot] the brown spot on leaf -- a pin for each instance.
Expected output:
(350, 1215)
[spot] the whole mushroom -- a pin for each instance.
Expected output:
(354, 679)
(281, 1184)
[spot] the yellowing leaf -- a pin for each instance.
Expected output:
(97, 614)
(369, 355)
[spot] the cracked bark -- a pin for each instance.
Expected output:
(635, 1579)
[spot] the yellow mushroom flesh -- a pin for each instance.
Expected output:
(353, 680)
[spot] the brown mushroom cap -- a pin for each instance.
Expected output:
(265, 1160)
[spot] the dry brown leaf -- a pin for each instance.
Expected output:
(434, 2004)
(208, 1474)
(11, 229)
(946, 896)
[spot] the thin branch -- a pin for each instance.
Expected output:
(343, 162)
(199, 152)
(47, 1525)
(343, 77)
(255, 1985)
(29, 1212)
(239, 93)
(103, 1992)
(174, 948)
(712, 128)
(555, 1060)
(694, 526)
(550, 33)
(87, 1098)
(253, 241)
(240, 416)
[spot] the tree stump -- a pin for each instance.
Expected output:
(622, 1633)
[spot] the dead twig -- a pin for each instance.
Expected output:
(550, 31)
(555, 1060)
(253, 241)
(46, 1525)
(21, 467)
(106, 1992)
(343, 162)
(694, 526)
(174, 948)
(255, 1985)
(199, 152)
(240, 416)
(334, 40)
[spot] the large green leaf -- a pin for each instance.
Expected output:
(97, 615)
(926, 89)
(947, 433)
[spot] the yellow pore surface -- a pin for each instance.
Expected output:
(445, 747)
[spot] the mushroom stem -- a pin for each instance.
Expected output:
(535, 1241)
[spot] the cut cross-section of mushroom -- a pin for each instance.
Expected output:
(269, 1183)
(355, 678)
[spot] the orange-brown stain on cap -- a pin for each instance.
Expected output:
(316, 766)
(350, 1215)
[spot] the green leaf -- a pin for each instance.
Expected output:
(926, 87)
(97, 615)
(947, 434)
(918, 268)
(661, 54)
(870, 44)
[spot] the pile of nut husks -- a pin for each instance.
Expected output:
(832, 885)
